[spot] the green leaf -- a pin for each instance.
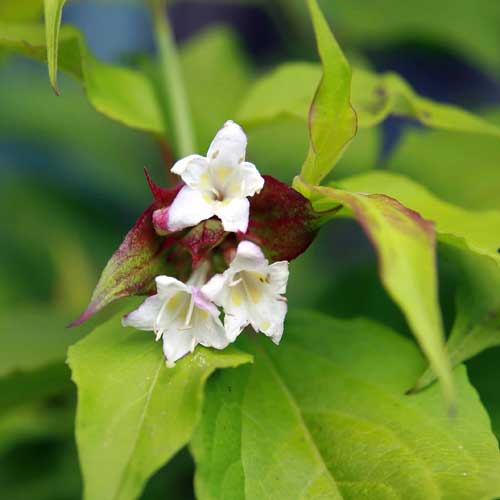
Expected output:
(288, 90)
(374, 97)
(332, 120)
(121, 94)
(20, 10)
(477, 321)
(53, 12)
(477, 231)
(325, 416)
(484, 372)
(405, 245)
(134, 413)
(457, 168)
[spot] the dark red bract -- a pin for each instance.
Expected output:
(282, 221)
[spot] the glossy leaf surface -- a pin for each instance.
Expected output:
(134, 413)
(324, 416)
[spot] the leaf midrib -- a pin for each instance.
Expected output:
(295, 407)
(120, 482)
(380, 389)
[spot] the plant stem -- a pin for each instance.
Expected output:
(171, 75)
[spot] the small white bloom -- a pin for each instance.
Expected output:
(250, 291)
(217, 184)
(181, 315)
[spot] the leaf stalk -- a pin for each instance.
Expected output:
(172, 81)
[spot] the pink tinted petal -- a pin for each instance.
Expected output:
(202, 302)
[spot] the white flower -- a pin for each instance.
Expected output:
(250, 291)
(217, 184)
(181, 315)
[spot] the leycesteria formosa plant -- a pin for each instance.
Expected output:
(213, 230)
(317, 407)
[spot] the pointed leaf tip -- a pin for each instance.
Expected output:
(53, 13)
(332, 119)
(141, 256)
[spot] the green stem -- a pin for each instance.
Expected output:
(171, 75)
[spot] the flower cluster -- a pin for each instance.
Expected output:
(186, 314)
(211, 253)
(249, 291)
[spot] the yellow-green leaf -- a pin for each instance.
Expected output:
(405, 245)
(53, 12)
(324, 416)
(133, 412)
(459, 169)
(374, 97)
(288, 90)
(479, 231)
(20, 10)
(477, 319)
(122, 94)
(332, 120)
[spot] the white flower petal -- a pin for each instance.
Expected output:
(229, 146)
(251, 181)
(209, 331)
(203, 303)
(166, 286)
(250, 291)
(271, 319)
(143, 318)
(177, 343)
(234, 214)
(193, 171)
(248, 257)
(235, 322)
(278, 276)
(189, 208)
(215, 288)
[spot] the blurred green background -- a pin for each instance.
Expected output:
(71, 184)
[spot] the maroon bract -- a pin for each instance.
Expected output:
(203, 238)
(282, 221)
(139, 259)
